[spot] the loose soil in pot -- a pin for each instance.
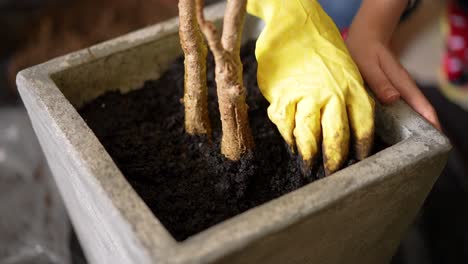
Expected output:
(185, 180)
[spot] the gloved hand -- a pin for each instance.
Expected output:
(315, 90)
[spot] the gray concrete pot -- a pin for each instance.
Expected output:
(358, 215)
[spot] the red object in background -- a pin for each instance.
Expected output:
(455, 60)
(344, 33)
(452, 67)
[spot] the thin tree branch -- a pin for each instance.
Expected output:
(195, 90)
(233, 25)
(237, 136)
(209, 30)
(190, 36)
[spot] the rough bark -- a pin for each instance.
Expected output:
(237, 137)
(195, 89)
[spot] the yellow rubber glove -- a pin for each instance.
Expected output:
(314, 88)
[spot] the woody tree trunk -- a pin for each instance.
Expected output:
(237, 136)
(195, 89)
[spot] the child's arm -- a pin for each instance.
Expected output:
(369, 44)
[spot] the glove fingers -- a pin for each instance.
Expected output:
(335, 130)
(361, 119)
(282, 113)
(307, 131)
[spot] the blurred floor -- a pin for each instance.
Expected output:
(34, 227)
(445, 214)
(440, 235)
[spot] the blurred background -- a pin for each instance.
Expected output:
(34, 227)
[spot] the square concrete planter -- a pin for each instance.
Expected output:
(357, 215)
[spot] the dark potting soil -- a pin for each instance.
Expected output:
(185, 180)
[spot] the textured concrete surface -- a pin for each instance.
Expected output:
(357, 215)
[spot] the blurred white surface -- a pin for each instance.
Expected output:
(419, 41)
(34, 227)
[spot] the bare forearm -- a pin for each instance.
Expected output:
(379, 17)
